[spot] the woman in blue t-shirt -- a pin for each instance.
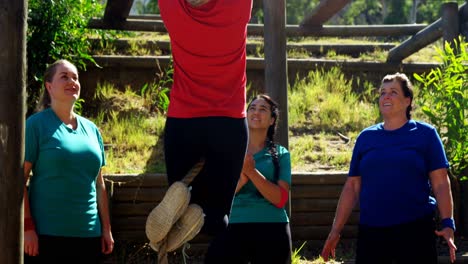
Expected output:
(66, 214)
(258, 230)
(395, 166)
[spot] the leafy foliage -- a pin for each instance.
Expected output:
(157, 93)
(57, 30)
(444, 99)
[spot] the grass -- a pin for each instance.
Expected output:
(322, 108)
(138, 46)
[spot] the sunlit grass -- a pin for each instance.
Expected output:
(325, 116)
(138, 47)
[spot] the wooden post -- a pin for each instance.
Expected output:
(12, 114)
(117, 11)
(450, 24)
(276, 70)
(463, 15)
(276, 80)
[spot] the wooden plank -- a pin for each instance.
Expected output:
(291, 30)
(297, 233)
(135, 195)
(316, 191)
(298, 219)
(149, 62)
(313, 205)
(320, 218)
(320, 232)
(132, 209)
(138, 180)
(253, 48)
(140, 235)
(319, 178)
(324, 11)
(350, 49)
(117, 11)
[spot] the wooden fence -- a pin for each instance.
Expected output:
(313, 203)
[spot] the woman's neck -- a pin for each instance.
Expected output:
(256, 141)
(394, 123)
(64, 113)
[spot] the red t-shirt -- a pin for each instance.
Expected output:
(208, 50)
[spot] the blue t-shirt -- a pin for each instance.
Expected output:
(249, 206)
(394, 167)
(66, 163)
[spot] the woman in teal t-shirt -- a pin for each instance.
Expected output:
(258, 230)
(66, 215)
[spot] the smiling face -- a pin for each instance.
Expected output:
(64, 85)
(392, 100)
(259, 114)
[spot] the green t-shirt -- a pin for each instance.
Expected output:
(66, 163)
(249, 206)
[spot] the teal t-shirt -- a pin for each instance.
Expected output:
(66, 163)
(249, 206)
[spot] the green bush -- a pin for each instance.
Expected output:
(57, 30)
(444, 99)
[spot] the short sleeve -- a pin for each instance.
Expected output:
(356, 158)
(285, 165)
(435, 156)
(101, 145)
(31, 141)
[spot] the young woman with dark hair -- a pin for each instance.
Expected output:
(258, 230)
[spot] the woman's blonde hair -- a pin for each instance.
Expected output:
(44, 101)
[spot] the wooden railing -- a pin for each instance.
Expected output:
(314, 197)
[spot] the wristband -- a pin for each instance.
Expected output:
(29, 224)
(448, 222)
(284, 198)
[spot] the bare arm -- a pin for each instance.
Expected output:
(103, 208)
(348, 199)
(441, 187)
(31, 243)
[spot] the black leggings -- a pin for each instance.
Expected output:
(255, 243)
(74, 250)
(413, 242)
(222, 142)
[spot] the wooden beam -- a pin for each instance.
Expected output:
(323, 12)
(117, 11)
(463, 14)
(420, 40)
(13, 15)
(450, 23)
(355, 31)
(276, 71)
(291, 30)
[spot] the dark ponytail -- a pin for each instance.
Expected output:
(270, 140)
